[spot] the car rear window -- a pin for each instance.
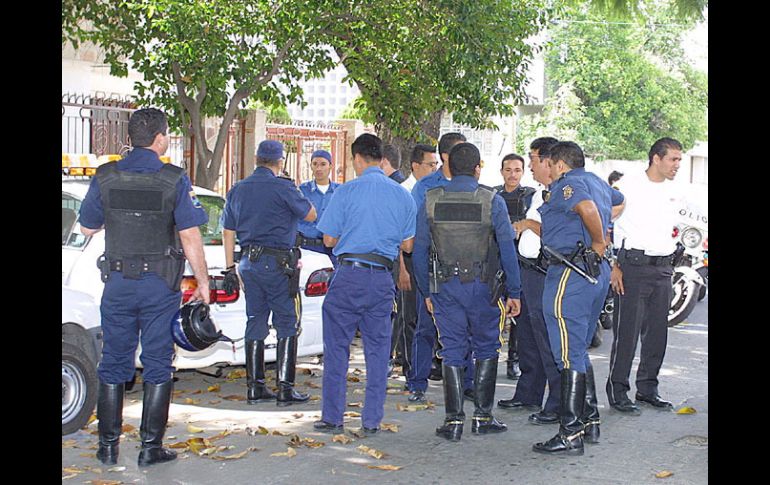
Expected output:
(212, 230)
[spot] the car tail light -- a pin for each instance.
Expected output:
(675, 232)
(216, 292)
(706, 244)
(318, 283)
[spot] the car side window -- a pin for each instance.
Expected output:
(70, 228)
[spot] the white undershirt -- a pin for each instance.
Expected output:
(408, 184)
(322, 188)
(650, 215)
(529, 242)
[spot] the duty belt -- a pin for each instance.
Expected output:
(256, 250)
(133, 264)
(370, 257)
(308, 241)
(636, 257)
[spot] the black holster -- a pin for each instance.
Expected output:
(292, 271)
(593, 262)
(497, 288)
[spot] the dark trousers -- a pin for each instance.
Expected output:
(405, 319)
(358, 298)
(130, 307)
(642, 311)
(266, 290)
(535, 357)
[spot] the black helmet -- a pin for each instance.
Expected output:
(193, 329)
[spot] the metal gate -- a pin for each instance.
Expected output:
(301, 139)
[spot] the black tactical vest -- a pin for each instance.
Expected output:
(461, 225)
(517, 202)
(139, 212)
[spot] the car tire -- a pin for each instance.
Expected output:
(79, 388)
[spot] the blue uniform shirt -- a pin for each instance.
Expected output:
(369, 214)
(500, 222)
(397, 176)
(562, 227)
(436, 179)
(187, 213)
(319, 201)
(264, 209)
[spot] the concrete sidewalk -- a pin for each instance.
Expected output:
(632, 449)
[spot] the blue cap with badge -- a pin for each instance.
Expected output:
(270, 149)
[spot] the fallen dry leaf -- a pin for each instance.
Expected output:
(179, 445)
(296, 442)
(69, 444)
(315, 397)
(371, 452)
(178, 393)
(234, 397)
(194, 429)
(220, 435)
(189, 400)
(71, 475)
(198, 445)
(393, 428)
(352, 414)
(413, 407)
(214, 388)
(72, 469)
(341, 438)
(353, 379)
(197, 391)
(230, 457)
(663, 474)
(290, 452)
(91, 419)
(298, 415)
(356, 404)
(236, 374)
(312, 385)
(88, 455)
(384, 467)
(215, 401)
(280, 433)
(127, 428)
(686, 410)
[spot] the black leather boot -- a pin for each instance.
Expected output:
(255, 373)
(287, 371)
(569, 439)
(486, 376)
(590, 416)
(109, 411)
(435, 369)
(157, 398)
(452, 428)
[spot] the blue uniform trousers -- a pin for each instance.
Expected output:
(267, 290)
(130, 307)
(465, 318)
(571, 307)
(423, 343)
(533, 339)
(358, 298)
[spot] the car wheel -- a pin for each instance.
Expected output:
(78, 388)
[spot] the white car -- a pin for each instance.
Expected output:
(79, 272)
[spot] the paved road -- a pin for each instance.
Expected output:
(632, 449)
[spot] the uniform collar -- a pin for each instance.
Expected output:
(575, 172)
(263, 171)
(314, 186)
(463, 181)
(371, 170)
(140, 157)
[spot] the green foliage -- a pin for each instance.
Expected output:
(357, 110)
(632, 83)
(275, 113)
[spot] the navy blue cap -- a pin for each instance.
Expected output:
(270, 149)
(322, 154)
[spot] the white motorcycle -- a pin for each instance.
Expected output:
(690, 279)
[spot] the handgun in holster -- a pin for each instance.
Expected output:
(593, 262)
(497, 288)
(290, 269)
(174, 271)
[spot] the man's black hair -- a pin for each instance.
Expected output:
(368, 146)
(662, 146)
(542, 143)
(463, 159)
(144, 125)
(393, 155)
(512, 156)
(268, 161)
(614, 177)
(448, 140)
(570, 153)
(419, 151)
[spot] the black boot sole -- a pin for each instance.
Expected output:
(569, 451)
(450, 435)
(488, 430)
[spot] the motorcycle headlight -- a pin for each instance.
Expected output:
(691, 237)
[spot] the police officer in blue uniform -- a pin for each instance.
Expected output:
(319, 192)
(467, 227)
(574, 224)
(262, 210)
(517, 198)
(146, 209)
(424, 341)
(367, 221)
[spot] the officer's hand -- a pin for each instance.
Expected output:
(429, 305)
(616, 280)
(512, 307)
(599, 247)
(519, 227)
(231, 281)
(201, 294)
(404, 283)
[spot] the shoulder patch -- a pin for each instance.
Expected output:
(194, 198)
(546, 195)
(567, 191)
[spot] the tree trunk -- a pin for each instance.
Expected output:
(430, 134)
